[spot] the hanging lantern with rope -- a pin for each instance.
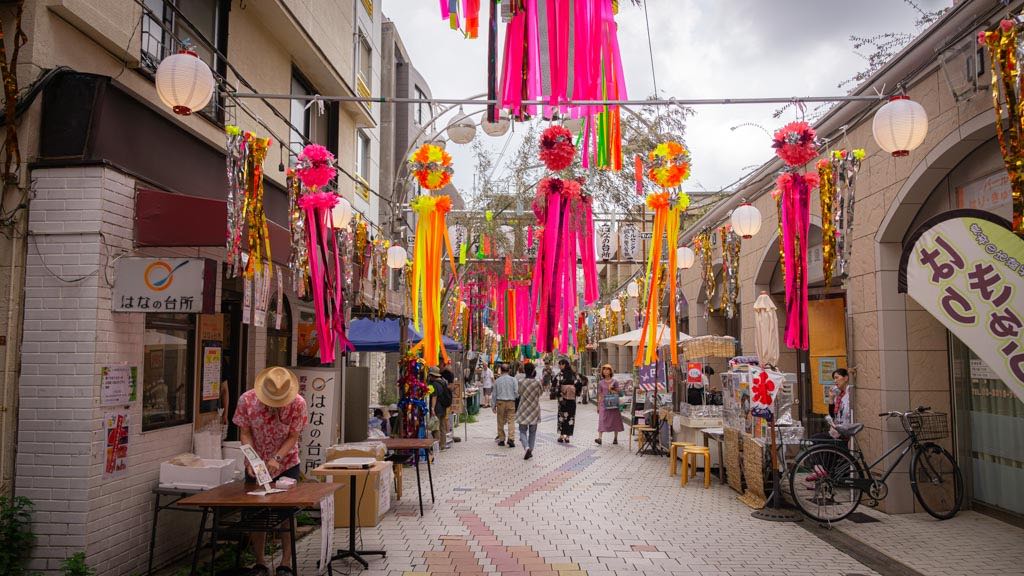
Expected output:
(184, 82)
(900, 126)
(746, 220)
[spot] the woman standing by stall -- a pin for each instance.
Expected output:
(566, 382)
(609, 417)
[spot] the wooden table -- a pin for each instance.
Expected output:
(718, 435)
(353, 519)
(414, 445)
(259, 513)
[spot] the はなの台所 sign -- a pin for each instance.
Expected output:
(967, 270)
(181, 285)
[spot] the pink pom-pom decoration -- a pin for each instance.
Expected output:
(1006, 25)
(556, 148)
(325, 200)
(795, 143)
(315, 166)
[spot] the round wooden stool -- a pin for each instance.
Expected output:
(673, 455)
(690, 454)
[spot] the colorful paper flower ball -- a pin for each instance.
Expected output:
(669, 164)
(432, 166)
(795, 143)
(556, 148)
(315, 166)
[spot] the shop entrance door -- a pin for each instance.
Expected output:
(235, 352)
(990, 429)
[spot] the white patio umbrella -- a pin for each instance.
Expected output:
(766, 330)
(634, 337)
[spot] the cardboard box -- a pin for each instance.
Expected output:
(373, 499)
(369, 449)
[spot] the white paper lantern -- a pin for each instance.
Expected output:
(746, 220)
(900, 126)
(396, 257)
(632, 290)
(461, 129)
(496, 129)
(341, 214)
(184, 82)
(684, 257)
(616, 305)
(603, 313)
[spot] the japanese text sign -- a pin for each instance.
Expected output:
(605, 241)
(317, 386)
(629, 242)
(173, 285)
(968, 272)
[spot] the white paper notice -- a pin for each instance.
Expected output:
(279, 316)
(259, 467)
(326, 533)
(118, 384)
(246, 300)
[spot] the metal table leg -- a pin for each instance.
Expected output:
(430, 476)
(152, 534)
(213, 542)
(419, 485)
(295, 556)
(199, 543)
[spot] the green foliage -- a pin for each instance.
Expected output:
(16, 537)
(76, 566)
(464, 418)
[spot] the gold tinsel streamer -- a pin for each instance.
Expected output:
(782, 251)
(827, 193)
(256, 218)
(1002, 49)
(703, 246)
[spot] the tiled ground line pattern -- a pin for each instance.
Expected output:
(552, 480)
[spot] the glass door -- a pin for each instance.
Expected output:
(990, 424)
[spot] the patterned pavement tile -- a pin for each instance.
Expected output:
(581, 509)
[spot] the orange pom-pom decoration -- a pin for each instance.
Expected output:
(432, 166)
(670, 164)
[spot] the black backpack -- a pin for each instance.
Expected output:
(444, 393)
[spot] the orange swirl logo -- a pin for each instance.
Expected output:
(159, 275)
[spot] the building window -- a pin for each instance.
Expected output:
(201, 23)
(365, 66)
(368, 6)
(422, 111)
(307, 122)
(279, 340)
(363, 163)
(167, 386)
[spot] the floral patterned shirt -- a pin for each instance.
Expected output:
(270, 426)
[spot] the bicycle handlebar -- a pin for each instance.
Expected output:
(894, 413)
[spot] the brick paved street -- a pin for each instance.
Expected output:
(600, 510)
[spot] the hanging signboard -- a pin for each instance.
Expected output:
(652, 375)
(182, 285)
(317, 386)
(629, 242)
(694, 370)
(966, 268)
(605, 241)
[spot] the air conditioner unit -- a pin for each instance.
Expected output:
(963, 66)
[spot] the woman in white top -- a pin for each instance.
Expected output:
(487, 383)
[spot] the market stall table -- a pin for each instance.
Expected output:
(176, 495)
(414, 445)
(718, 436)
(353, 475)
(271, 513)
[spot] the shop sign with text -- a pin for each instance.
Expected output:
(170, 285)
(967, 270)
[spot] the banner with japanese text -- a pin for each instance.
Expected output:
(967, 270)
(318, 387)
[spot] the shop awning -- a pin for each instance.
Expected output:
(369, 335)
(633, 338)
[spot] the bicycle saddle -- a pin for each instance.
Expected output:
(850, 429)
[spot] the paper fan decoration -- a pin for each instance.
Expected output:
(669, 164)
(432, 166)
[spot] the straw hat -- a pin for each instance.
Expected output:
(434, 371)
(608, 366)
(276, 386)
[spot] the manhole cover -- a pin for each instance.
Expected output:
(860, 518)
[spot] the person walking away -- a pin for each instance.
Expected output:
(506, 390)
(528, 414)
(487, 384)
(440, 401)
(270, 418)
(609, 417)
(567, 386)
(550, 383)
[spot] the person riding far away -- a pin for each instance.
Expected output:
(506, 390)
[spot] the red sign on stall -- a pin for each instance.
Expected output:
(693, 372)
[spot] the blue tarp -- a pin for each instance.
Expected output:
(369, 335)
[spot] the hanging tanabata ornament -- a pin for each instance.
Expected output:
(669, 168)
(315, 169)
(298, 258)
(731, 244)
(255, 216)
(431, 243)
(845, 165)
(795, 144)
(237, 159)
(703, 246)
(1008, 99)
(566, 231)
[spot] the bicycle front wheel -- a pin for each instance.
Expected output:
(820, 483)
(936, 481)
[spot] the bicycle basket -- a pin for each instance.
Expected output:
(929, 425)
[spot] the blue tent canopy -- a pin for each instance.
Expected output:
(369, 335)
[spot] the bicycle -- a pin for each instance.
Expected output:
(828, 480)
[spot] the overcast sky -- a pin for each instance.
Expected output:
(702, 49)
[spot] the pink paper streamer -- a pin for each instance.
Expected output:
(796, 211)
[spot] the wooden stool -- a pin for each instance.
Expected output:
(640, 429)
(634, 428)
(690, 454)
(673, 455)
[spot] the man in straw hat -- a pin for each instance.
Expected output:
(270, 418)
